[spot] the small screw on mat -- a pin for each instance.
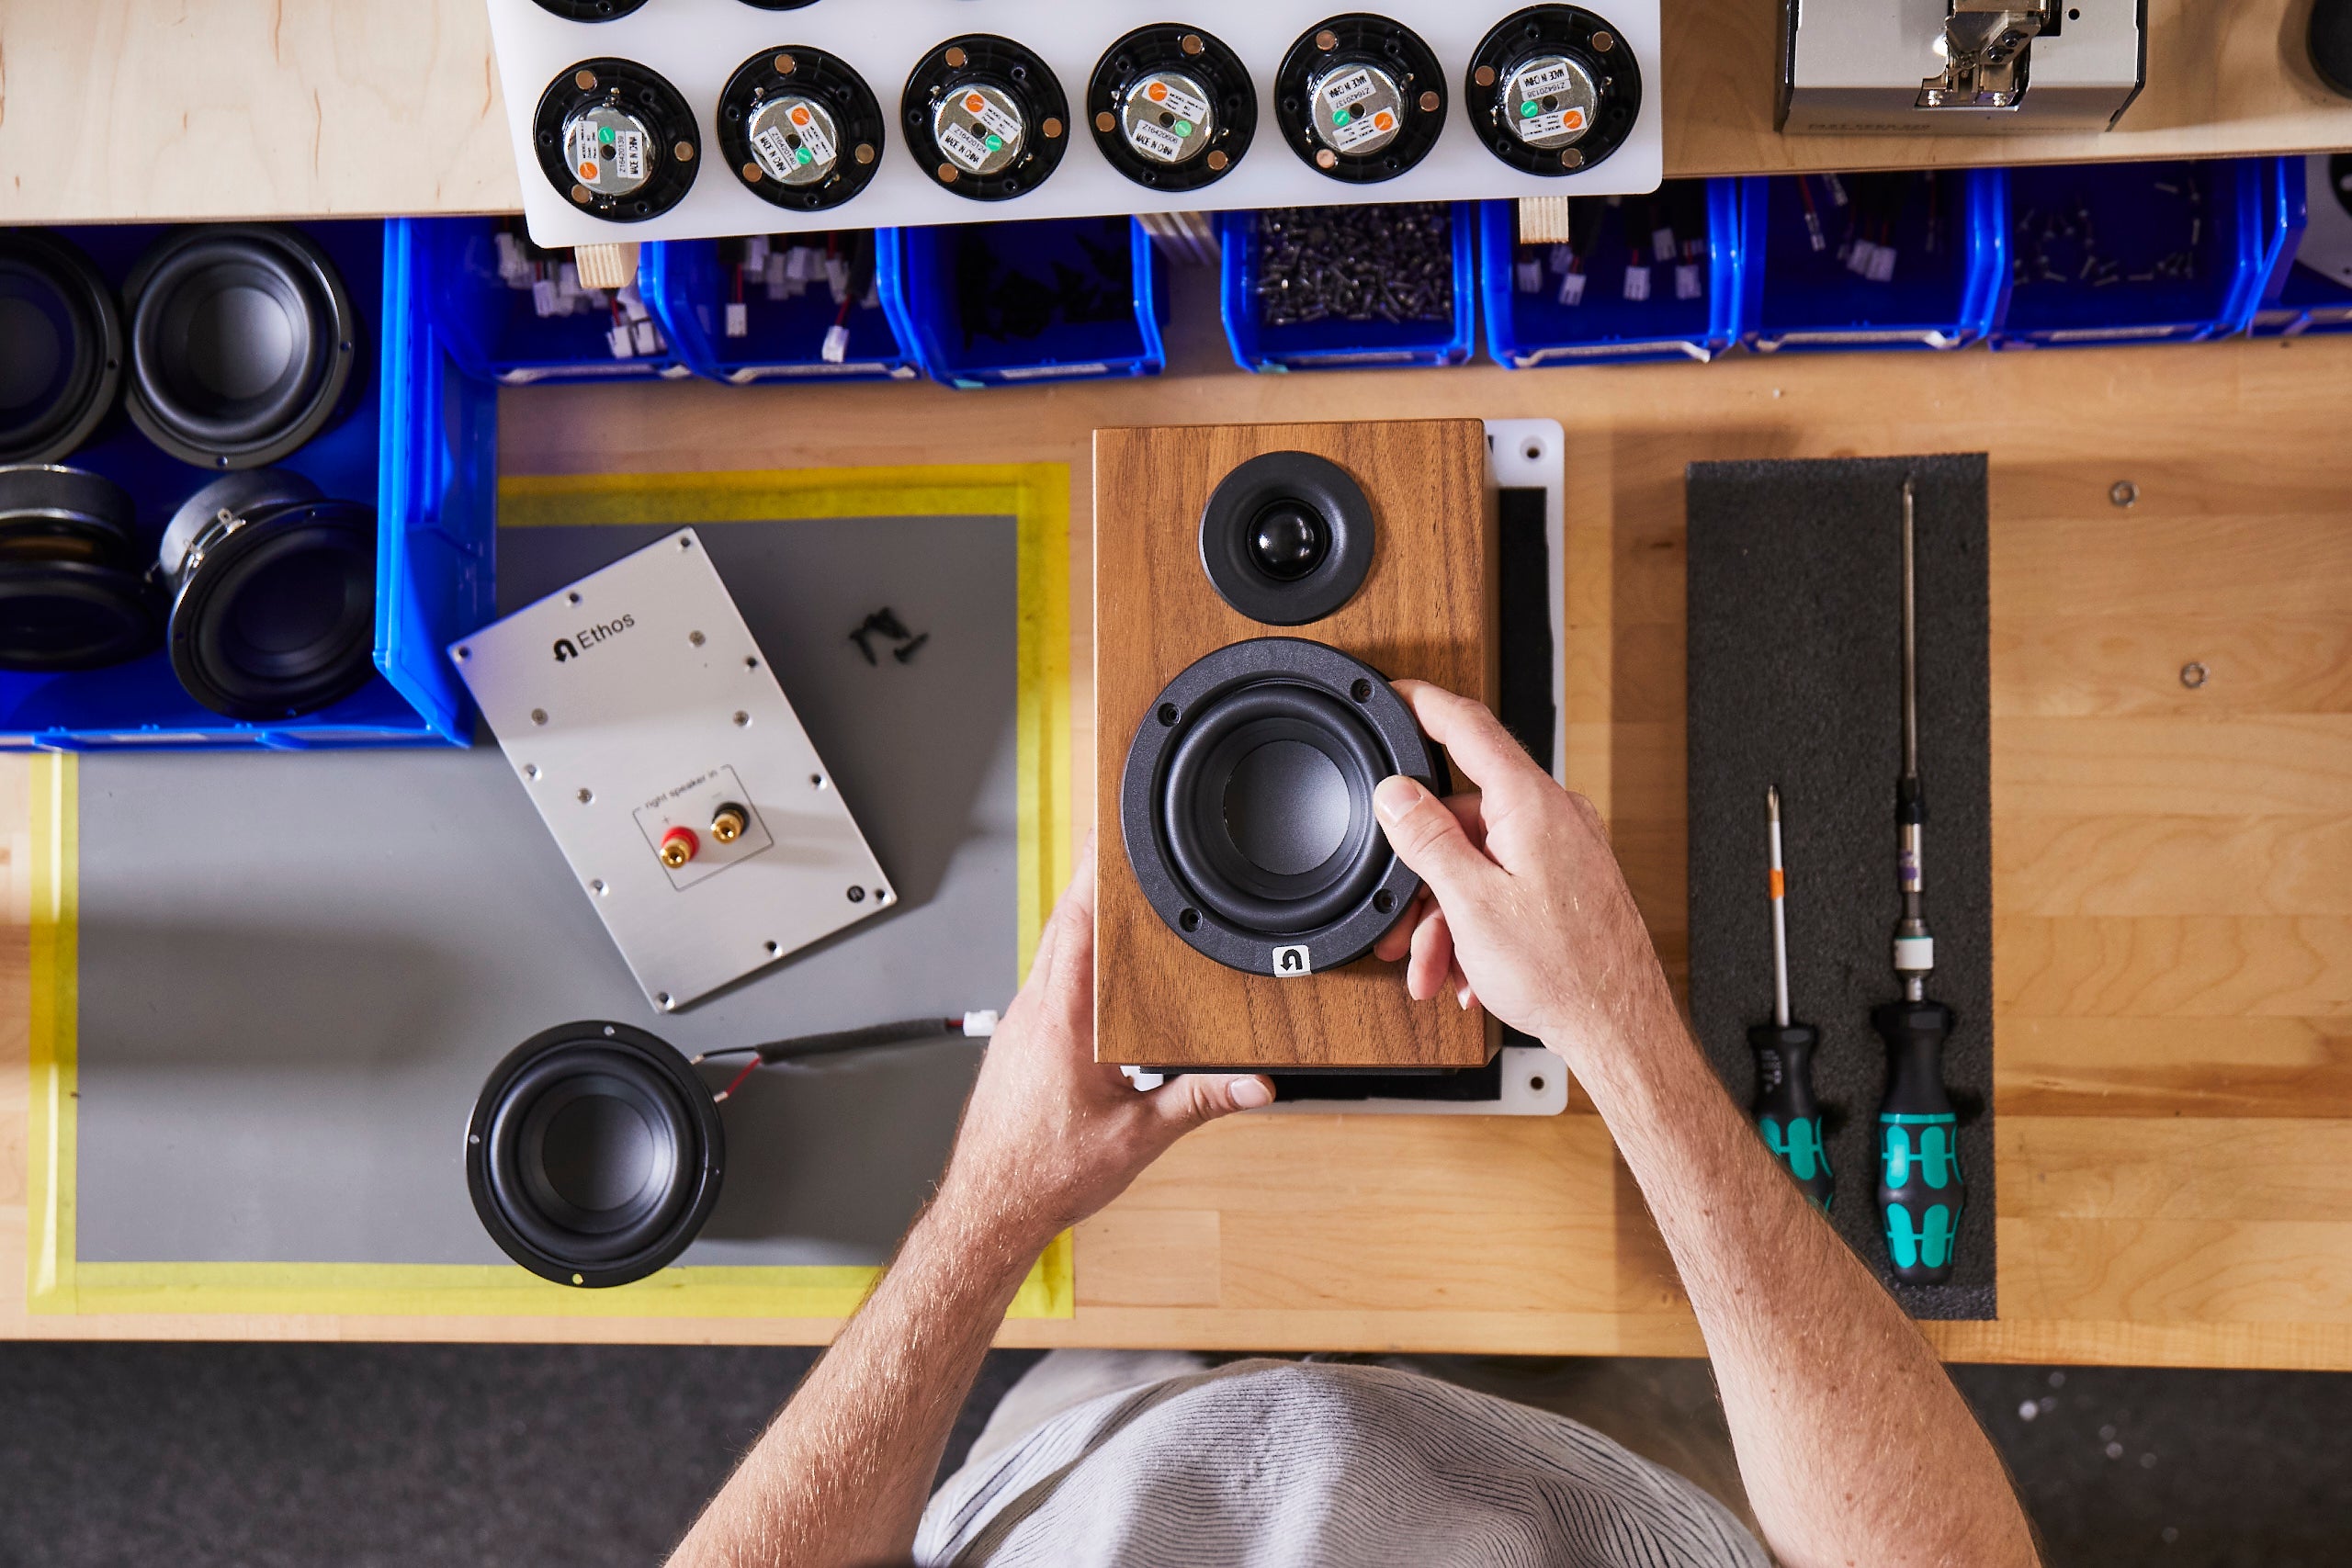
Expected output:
(2192, 674)
(2124, 492)
(907, 655)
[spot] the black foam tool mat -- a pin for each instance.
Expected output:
(1795, 679)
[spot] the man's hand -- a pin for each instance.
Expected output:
(1050, 1135)
(1526, 911)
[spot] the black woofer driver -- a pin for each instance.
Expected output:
(1246, 806)
(594, 1154)
(73, 591)
(61, 348)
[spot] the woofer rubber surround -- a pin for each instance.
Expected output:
(61, 348)
(594, 1154)
(1246, 805)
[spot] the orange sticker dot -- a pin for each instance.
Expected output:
(587, 171)
(1157, 91)
(973, 103)
(1572, 119)
(1382, 120)
(800, 114)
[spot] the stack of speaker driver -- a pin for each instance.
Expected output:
(1239, 765)
(242, 344)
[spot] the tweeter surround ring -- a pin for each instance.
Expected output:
(1246, 806)
(617, 139)
(594, 1154)
(800, 129)
(985, 117)
(1286, 537)
(1360, 98)
(1554, 89)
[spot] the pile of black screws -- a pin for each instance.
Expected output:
(1356, 263)
(2061, 246)
(885, 623)
(1007, 298)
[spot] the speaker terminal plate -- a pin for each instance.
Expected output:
(595, 694)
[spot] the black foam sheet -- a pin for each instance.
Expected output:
(1795, 679)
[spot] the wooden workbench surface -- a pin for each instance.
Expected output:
(121, 109)
(2172, 876)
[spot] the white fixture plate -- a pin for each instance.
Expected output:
(698, 44)
(636, 702)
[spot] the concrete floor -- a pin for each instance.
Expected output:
(307, 1456)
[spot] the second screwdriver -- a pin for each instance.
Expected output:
(1787, 1114)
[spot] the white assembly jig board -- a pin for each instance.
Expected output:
(698, 44)
(635, 705)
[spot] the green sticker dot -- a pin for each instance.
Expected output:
(1527, 109)
(1183, 128)
(806, 156)
(604, 134)
(1341, 117)
(996, 142)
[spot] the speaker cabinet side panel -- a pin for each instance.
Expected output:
(1425, 611)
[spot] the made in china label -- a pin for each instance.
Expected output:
(962, 146)
(1551, 79)
(1155, 140)
(1346, 92)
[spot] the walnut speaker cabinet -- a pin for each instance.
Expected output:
(1256, 589)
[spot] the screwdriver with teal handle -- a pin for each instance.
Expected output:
(1787, 1114)
(1919, 1186)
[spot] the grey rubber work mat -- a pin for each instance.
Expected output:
(1795, 679)
(297, 969)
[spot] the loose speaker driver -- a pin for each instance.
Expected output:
(1246, 806)
(273, 591)
(61, 348)
(594, 1154)
(74, 589)
(242, 344)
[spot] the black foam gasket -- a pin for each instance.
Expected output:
(1570, 30)
(651, 98)
(516, 1214)
(1323, 487)
(1794, 671)
(1143, 789)
(815, 73)
(239, 437)
(1160, 47)
(1011, 68)
(93, 350)
(1524, 621)
(1362, 38)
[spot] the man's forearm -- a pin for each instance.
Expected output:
(842, 1475)
(1855, 1447)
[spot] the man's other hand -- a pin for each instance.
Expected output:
(1525, 911)
(1050, 1135)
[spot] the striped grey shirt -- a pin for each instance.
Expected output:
(1281, 1464)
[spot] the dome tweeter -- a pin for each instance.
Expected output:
(1286, 538)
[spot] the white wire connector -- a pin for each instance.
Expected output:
(739, 319)
(1531, 275)
(755, 252)
(836, 346)
(979, 1024)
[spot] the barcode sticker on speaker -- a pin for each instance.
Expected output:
(1290, 962)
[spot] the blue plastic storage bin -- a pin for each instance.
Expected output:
(1526, 329)
(1336, 345)
(947, 290)
(1948, 231)
(419, 440)
(2178, 245)
(689, 284)
(2307, 284)
(495, 330)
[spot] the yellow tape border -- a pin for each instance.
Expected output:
(1036, 495)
